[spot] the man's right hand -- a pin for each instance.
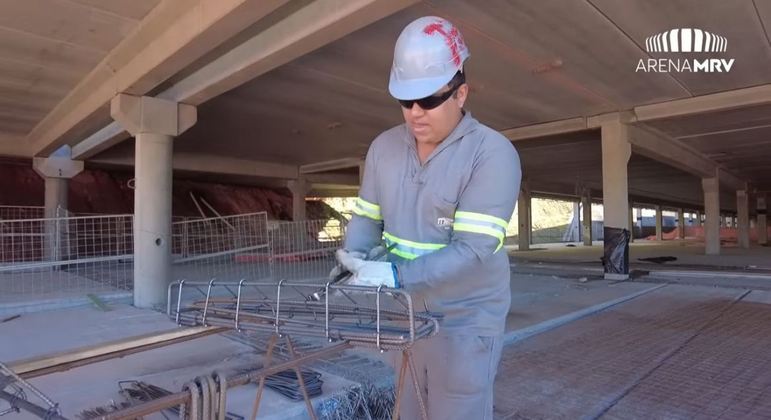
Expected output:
(339, 269)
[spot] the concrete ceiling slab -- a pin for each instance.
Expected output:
(738, 139)
(532, 62)
(48, 46)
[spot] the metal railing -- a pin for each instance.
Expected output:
(227, 248)
(304, 250)
(65, 254)
(21, 212)
(74, 255)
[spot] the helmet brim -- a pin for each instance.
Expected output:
(417, 88)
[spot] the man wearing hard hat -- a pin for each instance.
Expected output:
(440, 190)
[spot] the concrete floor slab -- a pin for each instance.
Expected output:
(39, 333)
(598, 365)
(170, 367)
(722, 372)
(539, 298)
(594, 365)
(688, 253)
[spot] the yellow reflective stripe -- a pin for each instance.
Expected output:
(365, 213)
(481, 217)
(412, 244)
(367, 209)
(404, 254)
(367, 205)
(465, 227)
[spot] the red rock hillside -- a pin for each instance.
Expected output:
(100, 191)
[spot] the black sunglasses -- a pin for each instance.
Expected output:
(433, 101)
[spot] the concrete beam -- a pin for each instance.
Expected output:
(311, 27)
(658, 146)
(331, 165)
(623, 117)
(143, 114)
(58, 165)
(307, 29)
(216, 165)
(171, 37)
(100, 141)
(730, 180)
(546, 129)
(15, 146)
(324, 191)
(737, 98)
(334, 179)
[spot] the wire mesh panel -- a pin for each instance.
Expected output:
(226, 248)
(304, 250)
(21, 212)
(55, 257)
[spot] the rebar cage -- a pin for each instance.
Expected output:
(376, 317)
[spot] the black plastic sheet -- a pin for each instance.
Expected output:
(616, 255)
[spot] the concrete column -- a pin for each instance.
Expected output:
(616, 151)
(743, 216)
(586, 225)
(55, 196)
(575, 222)
(154, 123)
(299, 189)
(659, 224)
(711, 189)
(523, 216)
(698, 219)
(681, 223)
(56, 172)
(638, 218)
(631, 223)
(762, 219)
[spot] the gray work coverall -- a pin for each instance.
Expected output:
(446, 220)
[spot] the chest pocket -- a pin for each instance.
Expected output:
(443, 198)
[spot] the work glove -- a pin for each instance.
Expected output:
(377, 253)
(339, 269)
(368, 273)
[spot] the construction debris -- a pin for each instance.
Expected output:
(99, 303)
(98, 412)
(658, 260)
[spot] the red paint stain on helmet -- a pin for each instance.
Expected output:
(452, 38)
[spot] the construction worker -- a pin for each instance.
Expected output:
(440, 189)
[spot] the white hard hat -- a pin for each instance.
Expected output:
(428, 53)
